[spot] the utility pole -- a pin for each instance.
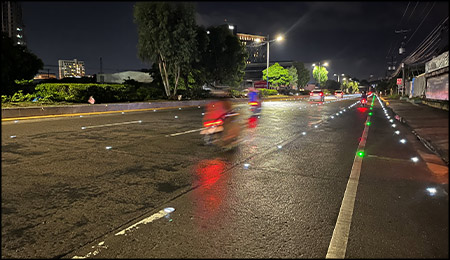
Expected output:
(403, 79)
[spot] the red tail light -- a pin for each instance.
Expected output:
(321, 94)
(364, 101)
(213, 123)
(310, 93)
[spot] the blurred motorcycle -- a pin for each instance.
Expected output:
(363, 102)
(221, 125)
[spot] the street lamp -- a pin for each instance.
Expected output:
(279, 38)
(338, 75)
(323, 65)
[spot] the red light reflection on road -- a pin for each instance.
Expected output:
(210, 195)
(252, 122)
(362, 109)
(209, 171)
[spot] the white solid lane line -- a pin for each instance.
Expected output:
(186, 132)
(338, 243)
(123, 123)
(102, 244)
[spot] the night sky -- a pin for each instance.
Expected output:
(353, 37)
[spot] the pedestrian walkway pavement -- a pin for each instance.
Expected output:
(428, 124)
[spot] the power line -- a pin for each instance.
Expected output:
(412, 13)
(421, 23)
(402, 16)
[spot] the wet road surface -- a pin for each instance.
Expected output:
(143, 185)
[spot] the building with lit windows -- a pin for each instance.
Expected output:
(12, 23)
(71, 68)
(256, 51)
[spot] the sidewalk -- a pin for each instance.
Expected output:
(429, 124)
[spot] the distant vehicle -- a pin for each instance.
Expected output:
(316, 94)
(339, 94)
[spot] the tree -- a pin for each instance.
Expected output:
(166, 35)
(223, 61)
(294, 75)
(278, 76)
(332, 85)
(320, 74)
(350, 86)
(18, 63)
(303, 74)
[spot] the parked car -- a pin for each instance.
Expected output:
(317, 94)
(339, 94)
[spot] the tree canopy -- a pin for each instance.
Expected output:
(18, 63)
(166, 35)
(320, 74)
(294, 75)
(224, 58)
(278, 76)
(303, 74)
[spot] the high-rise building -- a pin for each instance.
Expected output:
(253, 43)
(12, 23)
(71, 68)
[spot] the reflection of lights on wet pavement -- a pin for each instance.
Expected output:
(169, 210)
(16, 121)
(83, 127)
(154, 110)
(13, 136)
(108, 147)
(414, 159)
(81, 116)
(431, 191)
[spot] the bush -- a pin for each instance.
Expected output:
(267, 92)
(19, 97)
(394, 96)
(78, 92)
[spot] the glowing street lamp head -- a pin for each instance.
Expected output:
(257, 40)
(313, 65)
(280, 38)
(325, 64)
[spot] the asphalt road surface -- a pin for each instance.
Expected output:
(143, 185)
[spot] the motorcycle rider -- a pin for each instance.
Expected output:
(254, 100)
(363, 97)
(222, 109)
